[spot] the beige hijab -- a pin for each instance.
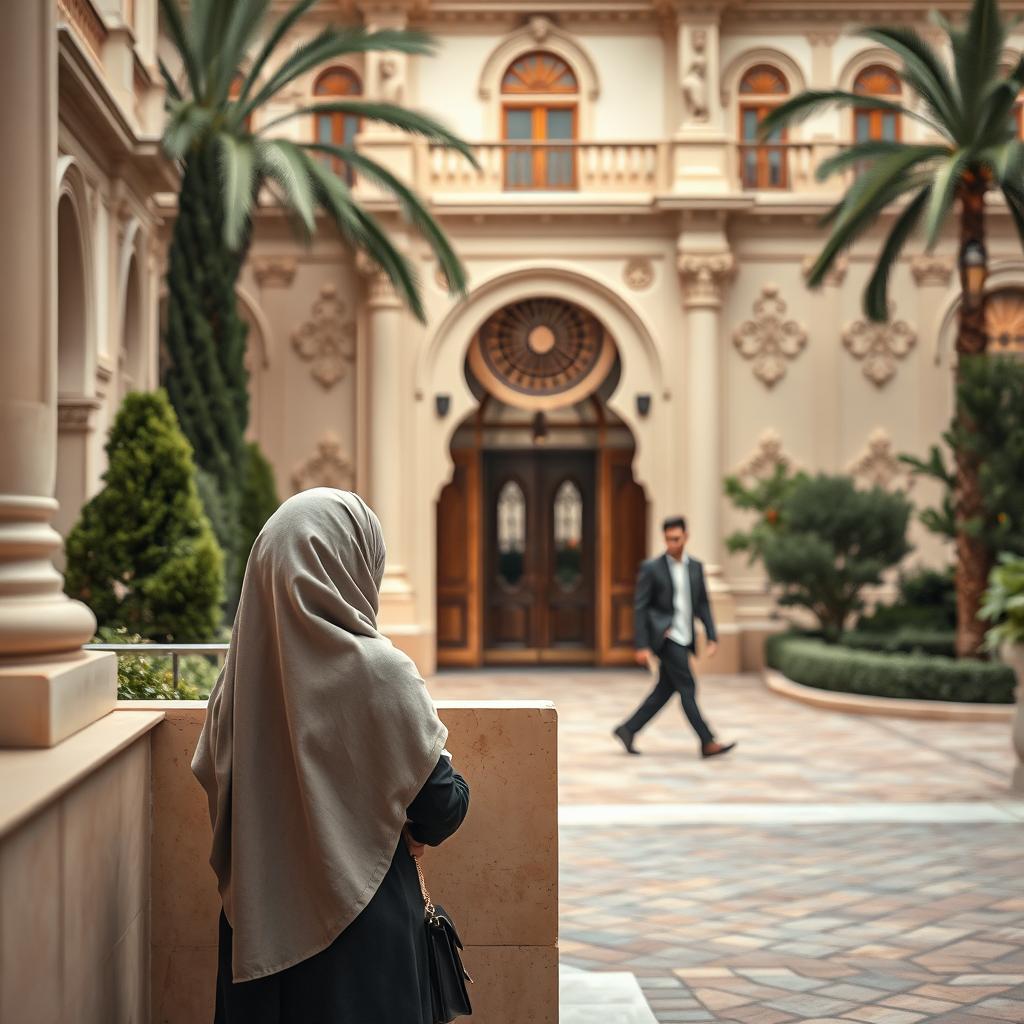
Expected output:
(319, 735)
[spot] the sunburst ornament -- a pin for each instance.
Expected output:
(1004, 322)
(541, 353)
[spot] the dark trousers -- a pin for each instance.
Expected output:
(675, 677)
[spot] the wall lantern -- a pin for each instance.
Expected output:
(540, 428)
(973, 272)
(442, 403)
(643, 404)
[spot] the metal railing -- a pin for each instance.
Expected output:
(176, 652)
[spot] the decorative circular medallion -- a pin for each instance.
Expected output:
(541, 353)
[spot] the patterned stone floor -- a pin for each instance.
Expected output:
(787, 752)
(769, 921)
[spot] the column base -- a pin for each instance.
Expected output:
(45, 700)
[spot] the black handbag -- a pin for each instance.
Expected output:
(449, 997)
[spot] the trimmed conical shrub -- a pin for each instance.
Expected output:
(259, 500)
(143, 554)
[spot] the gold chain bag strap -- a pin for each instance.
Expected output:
(449, 997)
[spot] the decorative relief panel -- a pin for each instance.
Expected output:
(765, 459)
(638, 273)
(695, 80)
(329, 467)
(878, 465)
(769, 339)
(928, 269)
(879, 346)
(328, 338)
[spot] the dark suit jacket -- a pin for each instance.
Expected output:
(654, 607)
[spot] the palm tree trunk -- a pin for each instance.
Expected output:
(204, 344)
(974, 560)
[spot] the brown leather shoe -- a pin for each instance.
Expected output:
(714, 748)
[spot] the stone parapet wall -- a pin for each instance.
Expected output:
(498, 876)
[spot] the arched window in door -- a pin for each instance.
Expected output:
(511, 512)
(762, 164)
(1004, 322)
(539, 117)
(568, 534)
(337, 129)
(877, 80)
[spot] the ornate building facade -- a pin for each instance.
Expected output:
(637, 324)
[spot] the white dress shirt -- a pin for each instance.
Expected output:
(681, 630)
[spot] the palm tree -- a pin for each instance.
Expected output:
(226, 166)
(968, 111)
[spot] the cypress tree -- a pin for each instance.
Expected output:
(143, 554)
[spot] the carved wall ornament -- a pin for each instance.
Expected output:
(878, 346)
(328, 338)
(930, 269)
(391, 84)
(835, 274)
(765, 459)
(540, 27)
(74, 415)
(328, 467)
(695, 81)
(769, 339)
(638, 273)
(878, 465)
(274, 271)
(704, 276)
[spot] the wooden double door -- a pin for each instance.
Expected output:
(537, 555)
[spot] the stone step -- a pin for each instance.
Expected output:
(601, 997)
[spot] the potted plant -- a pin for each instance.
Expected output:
(1003, 605)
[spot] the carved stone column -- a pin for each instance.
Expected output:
(390, 475)
(48, 687)
(704, 277)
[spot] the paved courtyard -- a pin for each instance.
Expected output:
(835, 868)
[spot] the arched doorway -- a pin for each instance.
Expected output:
(541, 528)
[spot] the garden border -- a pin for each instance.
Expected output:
(895, 707)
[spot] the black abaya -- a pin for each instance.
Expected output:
(375, 972)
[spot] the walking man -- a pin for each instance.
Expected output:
(670, 594)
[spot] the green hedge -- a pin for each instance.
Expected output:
(812, 662)
(940, 643)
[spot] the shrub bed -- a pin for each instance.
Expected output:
(940, 643)
(812, 662)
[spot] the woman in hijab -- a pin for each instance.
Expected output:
(323, 760)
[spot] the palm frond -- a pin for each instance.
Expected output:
(876, 294)
(187, 121)
(997, 120)
(173, 92)
(387, 113)
(284, 162)
(244, 23)
(331, 43)
(1014, 196)
(873, 149)
(176, 27)
(1006, 161)
(976, 53)
(924, 70)
(363, 233)
(811, 101)
(943, 194)
(207, 27)
(416, 213)
(281, 28)
(238, 172)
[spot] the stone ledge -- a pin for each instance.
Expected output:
(31, 779)
(893, 707)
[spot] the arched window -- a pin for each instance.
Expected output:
(539, 91)
(762, 165)
(877, 80)
(337, 129)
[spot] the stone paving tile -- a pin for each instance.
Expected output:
(788, 752)
(839, 923)
(903, 981)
